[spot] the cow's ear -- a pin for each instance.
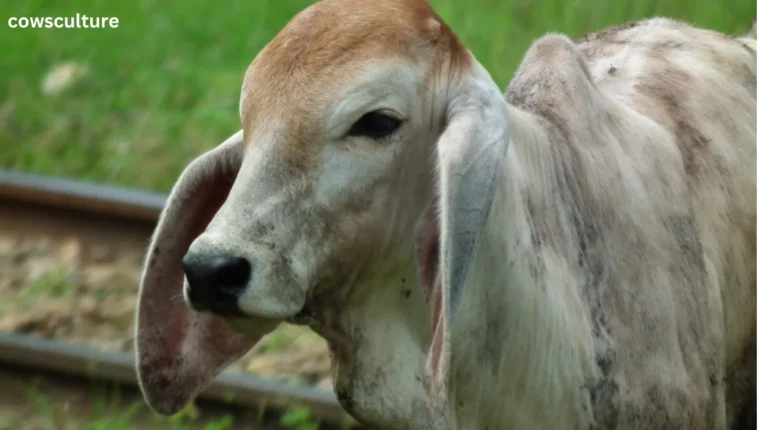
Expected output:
(471, 150)
(179, 351)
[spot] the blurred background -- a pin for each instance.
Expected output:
(132, 106)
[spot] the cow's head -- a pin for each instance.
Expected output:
(367, 129)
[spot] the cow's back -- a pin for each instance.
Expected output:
(700, 86)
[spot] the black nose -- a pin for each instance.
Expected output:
(216, 283)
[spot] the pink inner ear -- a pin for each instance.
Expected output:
(216, 195)
(435, 350)
(427, 250)
(428, 255)
(180, 351)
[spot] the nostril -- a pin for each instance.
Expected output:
(194, 272)
(197, 281)
(231, 273)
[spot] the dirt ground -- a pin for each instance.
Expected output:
(86, 294)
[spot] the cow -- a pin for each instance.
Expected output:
(575, 252)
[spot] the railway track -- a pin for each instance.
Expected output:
(103, 215)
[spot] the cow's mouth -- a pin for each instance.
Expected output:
(306, 316)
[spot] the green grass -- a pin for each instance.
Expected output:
(45, 404)
(104, 407)
(55, 284)
(164, 85)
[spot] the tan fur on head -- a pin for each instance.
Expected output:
(318, 53)
(583, 244)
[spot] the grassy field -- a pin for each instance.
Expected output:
(164, 85)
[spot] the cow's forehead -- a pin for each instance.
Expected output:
(317, 55)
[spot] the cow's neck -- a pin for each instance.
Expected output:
(378, 347)
(519, 344)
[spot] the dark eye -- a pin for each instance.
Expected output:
(375, 125)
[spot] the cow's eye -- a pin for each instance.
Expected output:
(375, 125)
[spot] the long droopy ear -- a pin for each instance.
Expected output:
(470, 151)
(179, 351)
